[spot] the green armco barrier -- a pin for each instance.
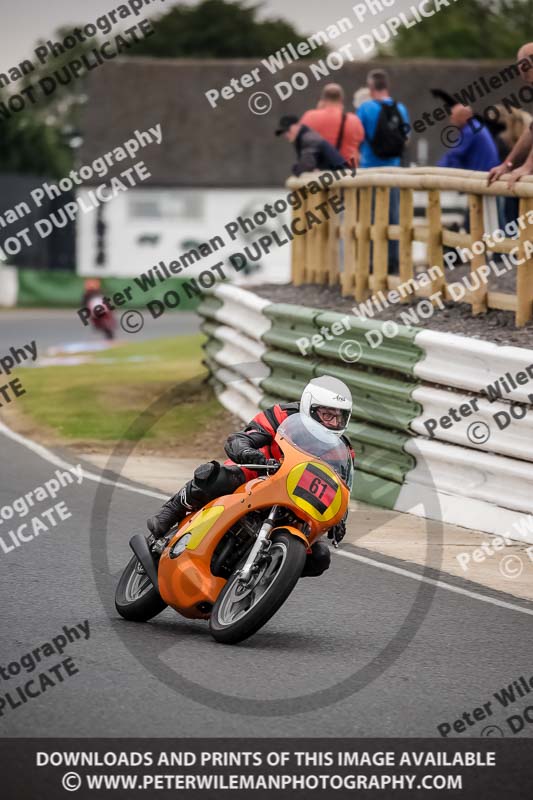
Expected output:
(399, 354)
(376, 398)
(209, 305)
(386, 439)
(405, 335)
(284, 339)
(280, 387)
(370, 383)
(61, 289)
(291, 317)
(210, 330)
(374, 490)
(212, 347)
(291, 366)
(291, 323)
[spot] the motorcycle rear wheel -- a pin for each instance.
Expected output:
(241, 610)
(136, 599)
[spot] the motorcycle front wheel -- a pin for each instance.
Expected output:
(136, 599)
(242, 608)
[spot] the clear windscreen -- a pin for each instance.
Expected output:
(315, 440)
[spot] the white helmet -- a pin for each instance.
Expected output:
(328, 401)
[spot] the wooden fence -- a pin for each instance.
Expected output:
(316, 256)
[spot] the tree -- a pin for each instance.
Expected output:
(468, 29)
(29, 145)
(218, 29)
(36, 140)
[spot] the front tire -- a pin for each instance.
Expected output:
(241, 610)
(136, 599)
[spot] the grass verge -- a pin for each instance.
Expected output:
(95, 404)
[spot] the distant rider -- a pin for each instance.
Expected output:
(92, 298)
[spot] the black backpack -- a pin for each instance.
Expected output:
(389, 138)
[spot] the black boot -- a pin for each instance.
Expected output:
(172, 512)
(317, 561)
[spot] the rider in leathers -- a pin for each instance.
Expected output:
(326, 400)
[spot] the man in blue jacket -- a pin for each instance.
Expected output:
(386, 125)
(475, 148)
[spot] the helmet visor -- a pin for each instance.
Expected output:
(335, 419)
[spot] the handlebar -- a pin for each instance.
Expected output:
(271, 464)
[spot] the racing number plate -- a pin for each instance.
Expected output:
(317, 488)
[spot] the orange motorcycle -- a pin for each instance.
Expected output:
(237, 560)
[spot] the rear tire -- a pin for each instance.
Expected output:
(289, 554)
(136, 599)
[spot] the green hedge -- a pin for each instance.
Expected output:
(59, 289)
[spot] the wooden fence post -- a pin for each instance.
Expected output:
(477, 298)
(298, 247)
(319, 239)
(380, 239)
(524, 272)
(406, 238)
(362, 265)
(333, 234)
(350, 245)
(435, 249)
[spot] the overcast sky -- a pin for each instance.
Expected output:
(28, 20)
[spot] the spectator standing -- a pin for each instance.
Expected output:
(312, 150)
(515, 123)
(519, 162)
(386, 126)
(360, 96)
(341, 129)
(475, 148)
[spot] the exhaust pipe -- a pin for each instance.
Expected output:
(139, 545)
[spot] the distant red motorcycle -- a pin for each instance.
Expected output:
(93, 297)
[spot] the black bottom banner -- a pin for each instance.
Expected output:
(303, 769)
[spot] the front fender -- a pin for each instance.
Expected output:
(294, 531)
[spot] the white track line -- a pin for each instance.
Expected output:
(47, 455)
(43, 452)
(440, 584)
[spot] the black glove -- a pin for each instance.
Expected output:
(251, 456)
(338, 532)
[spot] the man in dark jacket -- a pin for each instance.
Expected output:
(312, 150)
(326, 400)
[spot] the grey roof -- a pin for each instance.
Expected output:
(229, 146)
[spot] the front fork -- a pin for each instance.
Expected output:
(261, 545)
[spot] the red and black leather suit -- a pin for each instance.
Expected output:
(255, 444)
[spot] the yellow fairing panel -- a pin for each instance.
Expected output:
(200, 526)
(315, 489)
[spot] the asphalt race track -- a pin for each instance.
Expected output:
(52, 328)
(412, 673)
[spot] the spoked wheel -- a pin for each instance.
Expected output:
(244, 607)
(136, 599)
